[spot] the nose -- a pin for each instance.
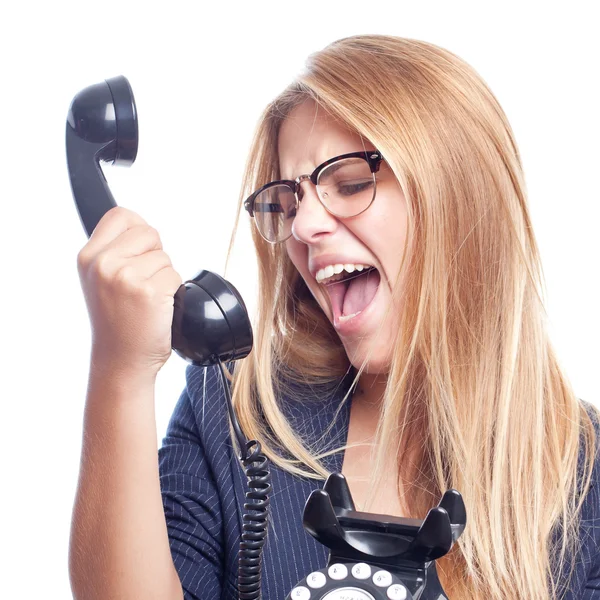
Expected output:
(312, 219)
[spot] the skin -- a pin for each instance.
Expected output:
(308, 137)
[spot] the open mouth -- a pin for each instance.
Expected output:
(353, 293)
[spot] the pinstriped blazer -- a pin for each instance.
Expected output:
(203, 488)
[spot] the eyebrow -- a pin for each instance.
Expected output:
(332, 169)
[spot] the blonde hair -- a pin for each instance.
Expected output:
(473, 379)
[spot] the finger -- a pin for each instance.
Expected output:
(167, 279)
(149, 264)
(135, 241)
(116, 221)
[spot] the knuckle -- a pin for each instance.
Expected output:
(164, 258)
(135, 217)
(82, 259)
(103, 265)
(125, 275)
(115, 213)
(152, 233)
(175, 281)
(120, 213)
(147, 292)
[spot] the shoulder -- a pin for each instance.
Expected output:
(204, 384)
(593, 413)
(206, 396)
(590, 512)
(199, 421)
(592, 500)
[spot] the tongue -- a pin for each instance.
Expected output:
(361, 290)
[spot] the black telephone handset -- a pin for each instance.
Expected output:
(372, 557)
(210, 321)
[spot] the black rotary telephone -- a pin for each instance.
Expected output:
(372, 557)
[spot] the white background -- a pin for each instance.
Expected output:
(201, 77)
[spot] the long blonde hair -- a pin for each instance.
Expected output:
(474, 379)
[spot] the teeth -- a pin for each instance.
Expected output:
(330, 272)
(344, 318)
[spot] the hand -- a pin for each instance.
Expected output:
(129, 284)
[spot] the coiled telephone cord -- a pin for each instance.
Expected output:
(256, 507)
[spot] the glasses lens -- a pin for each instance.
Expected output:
(274, 211)
(347, 187)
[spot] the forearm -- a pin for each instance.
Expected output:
(119, 542)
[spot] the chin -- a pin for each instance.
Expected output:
(378, 362)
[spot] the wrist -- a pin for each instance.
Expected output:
(106, 368)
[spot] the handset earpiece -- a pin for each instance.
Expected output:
(210, 320)
(101, 126)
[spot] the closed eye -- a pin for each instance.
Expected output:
(349, 188)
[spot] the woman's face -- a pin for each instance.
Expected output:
(308, 137)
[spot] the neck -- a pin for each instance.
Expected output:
(370, 388)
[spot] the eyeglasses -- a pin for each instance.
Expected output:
(346, 187)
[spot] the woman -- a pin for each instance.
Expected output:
(400, 339)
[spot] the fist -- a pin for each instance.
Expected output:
(129, 284)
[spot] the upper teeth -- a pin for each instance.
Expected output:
(333, 272)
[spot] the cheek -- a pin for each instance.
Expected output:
(298, 254)
(390, 218)
(390, 205)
